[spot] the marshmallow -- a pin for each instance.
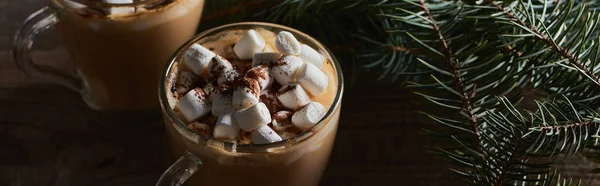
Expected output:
(226, 127)
(218, 65)
(200, 128)
(222, 69)
(197, 58)
(253, 117)
(221, 100)
(209, 89)
(186, 82)
(264, 135)
(293, 96)
(265, 58)
(120, 10)
(249, 44)
(287, 44)
(310, 55)
(227, 77)
(261, 75)
(308, 116)
(194, 105)
(312, 79)
(285, 69)
(245, 93)
(282, 120)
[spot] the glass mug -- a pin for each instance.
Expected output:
(118, 49)
(300, 160)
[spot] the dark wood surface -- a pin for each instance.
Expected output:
(49, 137)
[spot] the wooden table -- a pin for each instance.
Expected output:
(48, 137)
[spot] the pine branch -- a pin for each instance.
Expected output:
(561, 39)
(453, 68)
(573, 60)
(459, 72)
(562, 127)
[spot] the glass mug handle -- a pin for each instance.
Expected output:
(36, 23)
(180, 171)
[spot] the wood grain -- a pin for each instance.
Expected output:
(49, 137)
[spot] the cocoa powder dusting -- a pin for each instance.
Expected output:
(272, 103)
(279, 63)
(258, 72)
(201, 129)
(217, 69)
(251, 84)
(241, 66)
(199, 93)
(224, 89)
(283, 118)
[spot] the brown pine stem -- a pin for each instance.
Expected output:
(451, 61)
(574, 61)
(568, 125)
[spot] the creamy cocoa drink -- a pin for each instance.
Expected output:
(257, 103)
(120, 51)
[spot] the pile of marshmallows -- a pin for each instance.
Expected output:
(296, 67)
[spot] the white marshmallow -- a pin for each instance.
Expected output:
(197, 59)
(312, 79)
(226, 127)
(253, 117)
(310, 55)
(209, 89)
(194, 105)
(282, 120)
(293, 96)
(308, 116)
(218, 65)
(249, 44)
(227, 76)
(287, 44)
(246, 93)
(261, 75)
(120, 10)
(200, 128)
(265, 58)
(284, 71)
(221, 101)
(186, 81)
(264, 135)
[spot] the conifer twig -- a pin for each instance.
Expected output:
(452, 64)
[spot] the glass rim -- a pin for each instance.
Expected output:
(233, 147)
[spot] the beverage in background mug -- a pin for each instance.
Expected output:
(220, 151)
(118, 47)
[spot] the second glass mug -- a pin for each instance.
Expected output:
(300, 160)
(118, 49)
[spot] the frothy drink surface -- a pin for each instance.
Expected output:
(120, 57)
(299, 164)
